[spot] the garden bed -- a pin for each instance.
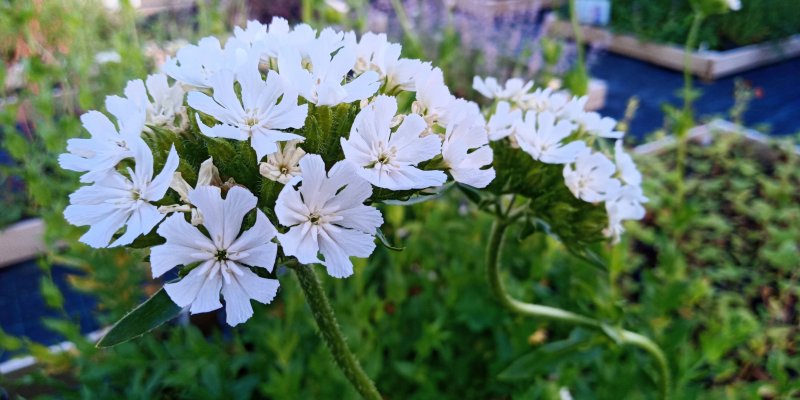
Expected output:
(715, 269)
(21, 241)
(707, 64)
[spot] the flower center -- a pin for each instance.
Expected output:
(314, 218)
(221, 255)
(384, 158)
(284, 169)
(251, 121)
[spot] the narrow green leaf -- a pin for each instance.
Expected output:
(144, 318)
(385, 242)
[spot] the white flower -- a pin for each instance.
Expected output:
(323, 84)
(625, 166)
(208, 175)
(376, 53)
(257, 116)
(591, 179)
(460, 109)
(542, 137)
(734, 5)
(598, 125)
(466, 152)
(283, 165)
(259, 39)
(327, 215)
(167, 101)
(504, 121)
(305, 39)
(166, 105)
(626, 205)
(117, 201)
(545, 99)
(222, 259)
(573, 109)
(388, 159)
(433, 96)
(107, 146)
(515, 89)
(254, 35)
(195, 65)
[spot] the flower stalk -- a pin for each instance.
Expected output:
(687, 114)
(621, 336)
(329, 328)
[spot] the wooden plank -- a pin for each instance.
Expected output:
(703, 135)
(495, 7)
(21, 241)
(705, 64)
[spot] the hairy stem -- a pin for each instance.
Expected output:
(539, 311)
(329, 328)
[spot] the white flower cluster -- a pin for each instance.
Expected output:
(554, 128)
(260, 88)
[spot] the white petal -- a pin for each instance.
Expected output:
(208, 199)
(185, 291)
(208, 296)
(238, 202)
(160, 184)
(301, 243)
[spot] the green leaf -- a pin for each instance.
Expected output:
(545, 358)
(147, 241)
(385, 242)
(144, 318)
(421, 196)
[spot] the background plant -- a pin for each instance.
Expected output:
(669, 22)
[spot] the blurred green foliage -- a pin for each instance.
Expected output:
(668, 21)
(717, 275)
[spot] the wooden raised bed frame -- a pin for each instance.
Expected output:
(706, 64)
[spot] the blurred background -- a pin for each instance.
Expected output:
(711, 276)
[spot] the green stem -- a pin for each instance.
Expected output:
(539, 311)
(580, 79)
(329, 328)
(691, 44)
(577, 33)
(687, 116)
(408, 29)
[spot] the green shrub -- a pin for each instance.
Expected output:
(668, 21)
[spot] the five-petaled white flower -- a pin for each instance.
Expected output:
(195, 65)
(542, 137)
(466, 151)
(591, 180)
(100, 154)
(326, 215)
(283, 165)
(626, 205)
(433, 96)
(222, 260)
(116, 201)
(376, 53)
(166, 104)
(388, 159)
(515, 89)
(626, 168)
(504, 121)
(323, 83)
(258, 115)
